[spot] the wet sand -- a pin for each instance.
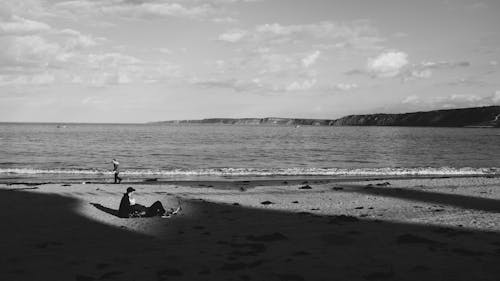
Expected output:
(390, 229)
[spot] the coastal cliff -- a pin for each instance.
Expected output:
(488, 116)
(464, 117)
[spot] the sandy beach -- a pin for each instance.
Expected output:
(392, 229)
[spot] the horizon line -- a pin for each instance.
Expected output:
(205, 118)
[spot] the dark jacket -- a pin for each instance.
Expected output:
(125, 208)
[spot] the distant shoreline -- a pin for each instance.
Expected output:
(475, 117)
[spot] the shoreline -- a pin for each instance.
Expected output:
(215, 182)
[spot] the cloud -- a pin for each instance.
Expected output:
(346, 86)
(285, 57)
(451, 101)
(317, 30)
(255, 85)
(425, 69)
(116, 68)
(421, 73)
(355, 35)
(496, 97)
(37, 79)
(311, 58)
(20, 26)
(224, 20)
(410, 99)
(395, 64)
(238, 85)
(76, 39)
(28, 51)
(388, 64)
(443, 64)
(301, 85)
(232, 36)
(470, 82)
(162, 9)
(33, 53)
(33, 60)
(148, 9)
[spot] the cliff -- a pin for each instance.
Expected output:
(464, 117)
(488, 116)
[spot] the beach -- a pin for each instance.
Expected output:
(441, 228)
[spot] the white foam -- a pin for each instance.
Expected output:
(423, 171)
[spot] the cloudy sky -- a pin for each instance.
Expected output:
(149, 60)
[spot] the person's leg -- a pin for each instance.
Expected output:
(155, 210)
(116, 177)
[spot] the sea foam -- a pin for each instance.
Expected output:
(423, 171)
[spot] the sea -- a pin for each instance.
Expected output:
(55, 152)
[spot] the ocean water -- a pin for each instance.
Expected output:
(190, 151)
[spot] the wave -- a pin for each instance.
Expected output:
(423, 171)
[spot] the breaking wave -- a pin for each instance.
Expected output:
(228, 172)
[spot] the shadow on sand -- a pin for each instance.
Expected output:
(110, 211)
(456, 200)
(45, 238)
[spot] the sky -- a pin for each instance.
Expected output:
(151, 60)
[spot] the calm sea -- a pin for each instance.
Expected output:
(190, 151)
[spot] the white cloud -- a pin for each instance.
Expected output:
(238, 85)
(301, 85)
(442, 64)
(232, 36)
(496, 97)
(111, 59)
(20, 26)
(165, 51)
(36, 79)
(355, 35)
(346, 86)
(225, 20)
(388, 64)
(451, 101)
(424, 73)
(145, 9)
(411, 99)
(29, 50)
(466, 98)
(76, 39)
(425, 69)
(318, 30)
(311, 58)
(169, 9)
(24, 61)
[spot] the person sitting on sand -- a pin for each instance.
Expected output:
(116, 170)
(128, 207)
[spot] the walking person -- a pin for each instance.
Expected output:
(116, 170)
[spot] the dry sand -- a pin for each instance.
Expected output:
(398, 229)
